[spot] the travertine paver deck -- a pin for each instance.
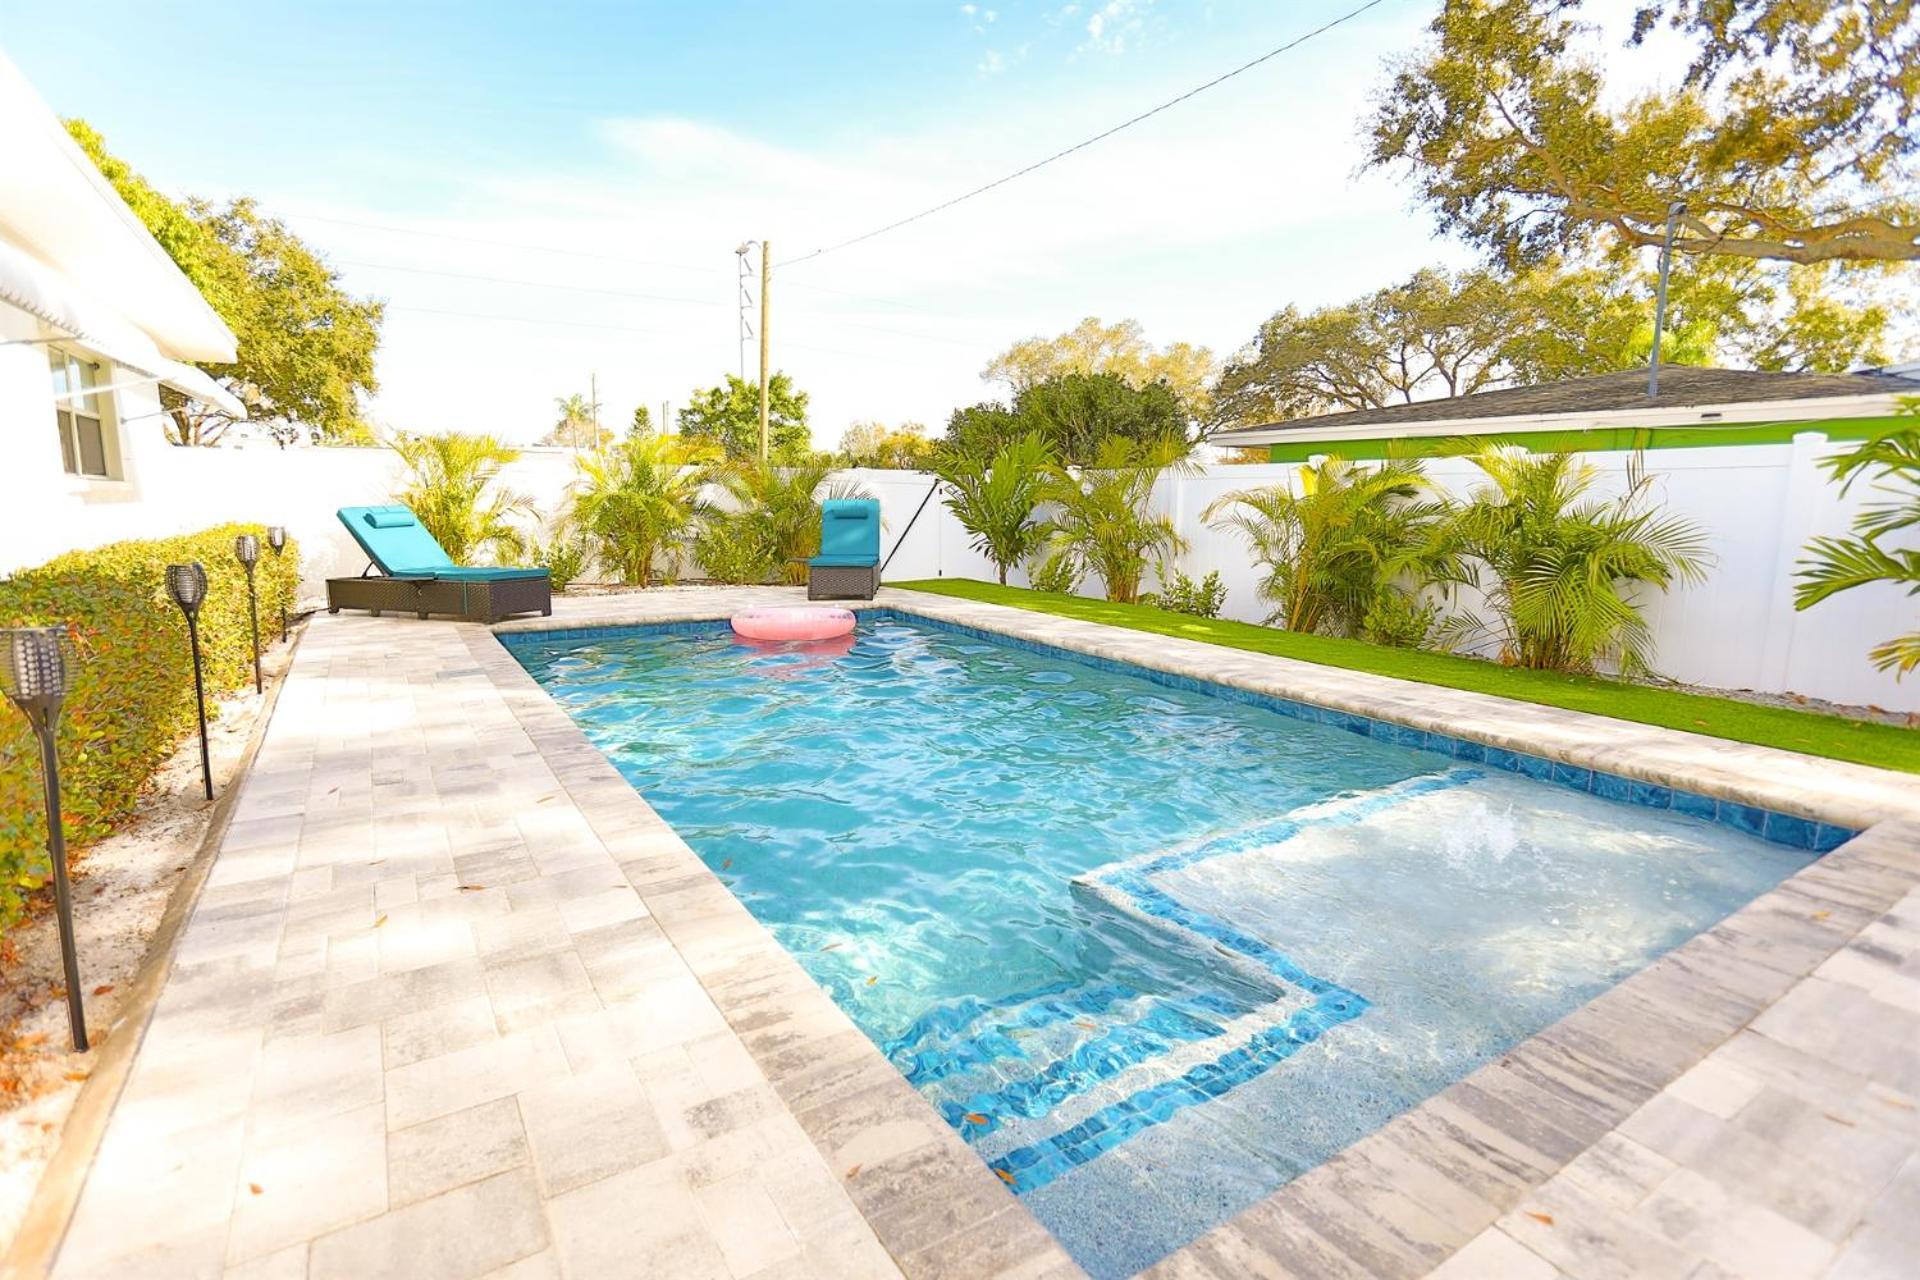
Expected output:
(422, 1023)
(456, 1002)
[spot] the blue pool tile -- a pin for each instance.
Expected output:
(1474, 751)
(1782, 828)
(1695, 806)
(1652, 795)
(1534, 767)
(1572, 775)
(1743, 817)
(1503, 759)
(1827, 837)
(1610, 786)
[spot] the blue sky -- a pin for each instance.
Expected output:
(629, 148)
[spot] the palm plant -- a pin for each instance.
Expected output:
(449, 487)
(1841, 564)
(1351, 536)
(777, 510)
(1099, 520)
(994, 498)
(637, 500)
(1566, 567)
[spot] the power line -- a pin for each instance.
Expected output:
(503, 244)
(570, 253)
(534, 284)
(831, 320)
(1082, 145)
(611, 328)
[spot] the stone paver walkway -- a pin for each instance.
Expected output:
(455, 1002)
(422, 1024)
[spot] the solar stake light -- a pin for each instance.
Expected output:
(277, 539)
(33, 672)
(246, 549)
(187, 584)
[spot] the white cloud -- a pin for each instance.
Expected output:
(1198, 223)
(992, 63)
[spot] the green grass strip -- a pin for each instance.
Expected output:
(1862, 742)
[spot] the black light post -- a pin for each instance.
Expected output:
(187, 584)
(246, 549)
(33, 670)
(277, 539)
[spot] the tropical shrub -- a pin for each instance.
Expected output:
(1202, 599)
(563, 558)
(1100, 523)
(1841, 564)
(777, 511)
(1057, 574)
(637, 503)
(450, 487)
(130, 698)
(1337, 551)
(732, 548)
(1564, 567)
(993, 497)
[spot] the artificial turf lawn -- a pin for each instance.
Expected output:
(1863, 742)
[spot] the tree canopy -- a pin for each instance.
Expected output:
(578, 424)
(875, 444)
(729, 416)
(1441, 334)
(1073, 415)
(1791, 137)
(305, 351)
(1119, 349)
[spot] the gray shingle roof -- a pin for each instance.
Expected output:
(1680, 386)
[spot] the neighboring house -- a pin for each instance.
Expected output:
(94, 318)
(1695, 408)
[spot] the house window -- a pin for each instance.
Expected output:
(81, 415)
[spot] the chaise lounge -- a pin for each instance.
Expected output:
(848, 566)
(417, 575)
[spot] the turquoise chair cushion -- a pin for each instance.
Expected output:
(396, 541)
(849, 533)
(486, 573)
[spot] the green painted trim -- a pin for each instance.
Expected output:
(1883, 746)
(1583, 440)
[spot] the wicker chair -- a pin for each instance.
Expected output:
(417, 576)
(848, 566)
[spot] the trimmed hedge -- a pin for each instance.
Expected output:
(130, 701)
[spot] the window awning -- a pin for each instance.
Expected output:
(92, 325)
(198, 385)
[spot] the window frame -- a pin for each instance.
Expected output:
(88, 423)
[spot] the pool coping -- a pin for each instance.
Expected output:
(1405, 1197)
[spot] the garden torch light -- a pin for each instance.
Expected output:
(187, 584)
(277, 539)
(33, 671)
(246, 549)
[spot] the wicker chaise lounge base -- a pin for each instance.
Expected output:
(856, 582)
(477, 600)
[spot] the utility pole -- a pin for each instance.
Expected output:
(744, 300)
(766, 278)
(1674, 211)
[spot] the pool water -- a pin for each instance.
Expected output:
(1152, 952)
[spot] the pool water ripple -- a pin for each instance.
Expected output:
(1151, 952)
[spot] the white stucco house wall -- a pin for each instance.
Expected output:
(94, 318)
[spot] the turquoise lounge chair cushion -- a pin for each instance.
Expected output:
(849, 534)
(486, 573)
(396, 541)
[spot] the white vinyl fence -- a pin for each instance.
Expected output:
(1759, 504)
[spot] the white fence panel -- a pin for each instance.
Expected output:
(1759, 505)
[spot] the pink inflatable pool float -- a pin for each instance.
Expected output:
(800, 622)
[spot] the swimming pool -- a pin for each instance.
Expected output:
(1152, 949)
